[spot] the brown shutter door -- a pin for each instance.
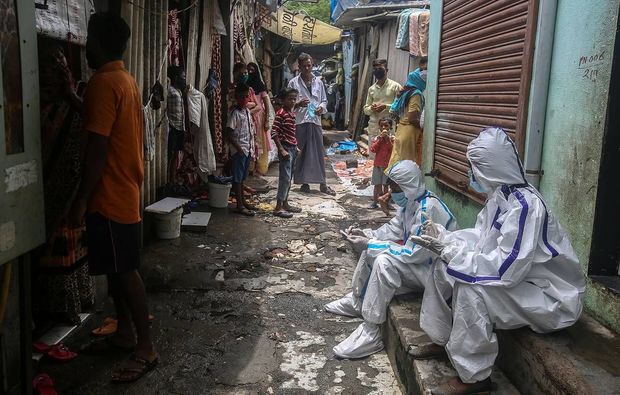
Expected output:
(484, 74)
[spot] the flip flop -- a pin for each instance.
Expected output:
(328, 191)
(246, 212)
(43, 385)
(110, 325)
(283, 214)
(128, 374)
(293, 209)
(60, 353)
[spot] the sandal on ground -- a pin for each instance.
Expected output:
(327, 190)
(455, 386)
(373, 206)
(110, 325)
(305, 188)
(43, 385)
(133, 369)
(60, 353)
(283, 214)
(426, 351)
(246, 212)
(292, 209)
(105, 345)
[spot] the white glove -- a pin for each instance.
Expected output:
(356, 231)
(359, 243)
(430, 243)
(429, 228)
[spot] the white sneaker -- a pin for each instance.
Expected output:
(344, 306)
(365, 340)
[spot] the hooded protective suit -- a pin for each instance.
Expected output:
(515, 268)
(391, 262)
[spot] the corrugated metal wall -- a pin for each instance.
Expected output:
(400, 62)
(146, 52)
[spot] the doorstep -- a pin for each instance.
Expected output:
(401, 331)
(582, 359)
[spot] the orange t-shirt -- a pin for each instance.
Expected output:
(113, 108)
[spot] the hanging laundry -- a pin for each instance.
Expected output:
(216, 65)
(199, 127)
(149, 133)
(218, 22)
(414, 34)
(174, 39)
(402, 39)
(423, 27)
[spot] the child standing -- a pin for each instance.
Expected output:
(241, 138)
(283, 134)
(382, 147)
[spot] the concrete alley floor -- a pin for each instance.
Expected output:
(239, 309)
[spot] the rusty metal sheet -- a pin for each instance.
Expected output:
(484, 75)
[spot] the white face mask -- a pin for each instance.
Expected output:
(423, 75)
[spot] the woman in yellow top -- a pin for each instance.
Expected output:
(409, 106)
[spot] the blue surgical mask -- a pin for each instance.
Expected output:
(474, 184)
(400, 199)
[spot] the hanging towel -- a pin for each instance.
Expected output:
(402, 39)
(423, 26)
(149, 133)
(199, 127)
(414, 34)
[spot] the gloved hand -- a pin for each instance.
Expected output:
(359, 243)
(429, 228)
(352, 230)
(430, 243)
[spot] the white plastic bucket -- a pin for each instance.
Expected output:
(168, 226)
(218, 195)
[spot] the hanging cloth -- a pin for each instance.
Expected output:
(402, 39)
(414, 34)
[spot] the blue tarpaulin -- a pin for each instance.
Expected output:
(338, 7)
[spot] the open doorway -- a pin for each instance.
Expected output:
(605, 255)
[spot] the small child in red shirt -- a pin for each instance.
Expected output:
(382, 147)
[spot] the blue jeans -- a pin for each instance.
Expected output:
(286, 172)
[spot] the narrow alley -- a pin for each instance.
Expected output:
(239, 309)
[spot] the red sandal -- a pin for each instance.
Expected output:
(43, 385)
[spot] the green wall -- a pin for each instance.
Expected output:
(573, 133)
(575, 126)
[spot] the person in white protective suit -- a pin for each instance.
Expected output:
(389, 261)
(515, 268)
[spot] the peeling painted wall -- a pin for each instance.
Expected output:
(575, 125)
(574, 128)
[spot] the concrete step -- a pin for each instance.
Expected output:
(583, 359)
(401, 332)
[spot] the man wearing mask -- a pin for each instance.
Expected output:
(380, 97)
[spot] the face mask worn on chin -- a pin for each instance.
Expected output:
(400, 199)
(379, 74)
(474, 184)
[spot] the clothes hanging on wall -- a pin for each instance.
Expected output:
(216, 65)
(199, 127)
(402, 39)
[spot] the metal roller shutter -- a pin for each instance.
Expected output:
(484, 75)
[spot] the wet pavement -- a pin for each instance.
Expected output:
(239, 309)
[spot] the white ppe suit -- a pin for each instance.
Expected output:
(515, 268)
(391, 263)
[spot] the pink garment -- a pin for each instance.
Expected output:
(423, 26)
(414, 35)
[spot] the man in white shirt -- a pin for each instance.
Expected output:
(310, 166)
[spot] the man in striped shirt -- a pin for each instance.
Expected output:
(284, 135)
